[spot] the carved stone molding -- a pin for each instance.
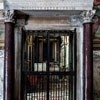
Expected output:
(49, 4)
(9, 15)
(87, 16)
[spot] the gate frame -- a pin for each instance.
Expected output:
(74, 45)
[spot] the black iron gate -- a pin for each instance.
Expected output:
(48, 65)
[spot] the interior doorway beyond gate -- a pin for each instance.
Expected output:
(48, 65)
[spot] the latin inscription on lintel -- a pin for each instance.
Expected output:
(49, 4)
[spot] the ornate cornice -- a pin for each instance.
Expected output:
(87, 16)
(9, 15)
(49, 4)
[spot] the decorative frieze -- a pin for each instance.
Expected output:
(87, 16)
(9, 15)
(49, 4)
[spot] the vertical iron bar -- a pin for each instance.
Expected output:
(25, 87)
(72, 67)
(25, 57)
(38, 86)
(69, 64)
(33, 95)
(54, 53)
(61, 89)
(59, 45)
(28, 54)
(33, 51)
(48, 59)
(64, 51)
(42, 55)
(38, 53)
(66, 87)
(56, 85)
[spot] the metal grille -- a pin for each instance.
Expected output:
(48, 65)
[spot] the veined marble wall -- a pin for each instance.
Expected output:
(96, 67)
(1, 55)
(1, 73)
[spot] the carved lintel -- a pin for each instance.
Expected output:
(9, 16)
(87, 16)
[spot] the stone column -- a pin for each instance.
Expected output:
(9, 56)
(87, 55)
